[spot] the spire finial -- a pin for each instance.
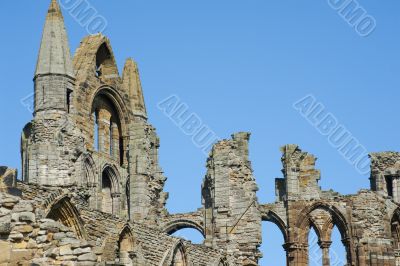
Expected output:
(54, 54)
(54, 8)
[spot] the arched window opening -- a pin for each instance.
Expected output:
(314, 250)
(107, 128)
(126, 247)
(90, 181)
(69, 96)
(107, 202)
(110, 191)
(64, 212)
(389, 185)
(337, 251)
(272, 246)
(105, 66)
(189, 234)
(89, 173)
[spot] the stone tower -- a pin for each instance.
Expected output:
(54, 76)
(46, 159)
(90, 126)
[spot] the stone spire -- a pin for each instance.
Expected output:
(132, 84)
(54, 55)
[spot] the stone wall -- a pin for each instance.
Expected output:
(232, 220)
(56, 226)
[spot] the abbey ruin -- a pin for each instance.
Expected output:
(92, 187)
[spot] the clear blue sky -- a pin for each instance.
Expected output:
(239, 65)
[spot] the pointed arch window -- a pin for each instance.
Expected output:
(107, 135)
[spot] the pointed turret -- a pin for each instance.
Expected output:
(54, 75)
(133, 86)
(54, 56)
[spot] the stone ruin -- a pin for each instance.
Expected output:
(92, 188)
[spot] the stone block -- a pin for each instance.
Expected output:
(87, 257)
(65, 250)
(5, 253)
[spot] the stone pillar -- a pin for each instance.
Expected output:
(349, 251)
(124, 149)
(115, 142)
(325, 245)
(104, 131)
(296, 254)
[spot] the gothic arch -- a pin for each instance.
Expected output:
(179, 257)
(89, 172)
(316, 228)
(338, 218)
(114, 176)
(109, 118)
(94, 51)
(126, 246)
(105, 62)
(175, 255)
(178, 224)
(119, 104)
(304, 223)
(63, 211)
(110, 190)
(274, 218)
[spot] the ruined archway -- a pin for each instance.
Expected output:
(107, 136)
(126, 246)
(179, 257)
(324, 230)
(179, 224)
(64, 211)
(89, 172)
(110, 190)
(105, 63)
(274, 236)
(274, 218)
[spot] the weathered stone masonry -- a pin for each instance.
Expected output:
(93, 190)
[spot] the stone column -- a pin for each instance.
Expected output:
(349, 251)
(325, 245)
(104, 131)
(124, 147)
(115, 142)
(296, 254)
